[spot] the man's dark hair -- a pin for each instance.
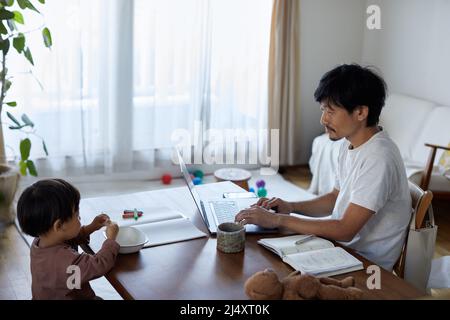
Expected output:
(46, 201)
(351, 86)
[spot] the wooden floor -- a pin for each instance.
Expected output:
(15, 278)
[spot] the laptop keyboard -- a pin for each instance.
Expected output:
(225, 211)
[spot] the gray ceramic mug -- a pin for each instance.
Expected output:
(230, 237)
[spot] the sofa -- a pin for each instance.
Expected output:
(411, 123)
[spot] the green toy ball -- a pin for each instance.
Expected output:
(199, 174)
(262, 193)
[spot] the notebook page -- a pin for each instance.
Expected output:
(287, 245)
(115, 205)
(170, 231)
(310, 245)
(321, 261)
(151, 215)
(340, 271)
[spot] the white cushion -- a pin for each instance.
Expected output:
(323, 164)
(437, 182)
(436, 130)
(403, 119)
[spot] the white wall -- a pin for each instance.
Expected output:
(331, 33)
(413, 48)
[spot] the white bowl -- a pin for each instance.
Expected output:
(130, 239)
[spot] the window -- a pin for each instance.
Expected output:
(124, 74)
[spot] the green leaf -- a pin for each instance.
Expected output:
(32, 168)
(28, 55)
(3, 28)
(7, 3)
(27, 4)
(13, 119)
(3, 73)
(8, 85)
(19, 42)
(27, 121)
(12, 104)
(42, 1)
(4, 45)
(47, 37)
(44, 146)
(23, 167)
(25, 147)
(18, 17)
(6, 15)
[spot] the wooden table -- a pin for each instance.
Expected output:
(195, 270)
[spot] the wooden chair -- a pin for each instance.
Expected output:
(424, 184)
(421, 203)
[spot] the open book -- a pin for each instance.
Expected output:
(161, 225)
(312, 255)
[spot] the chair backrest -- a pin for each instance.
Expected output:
(421, 203)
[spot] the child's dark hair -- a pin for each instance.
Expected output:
(46, 201)
(351, 86)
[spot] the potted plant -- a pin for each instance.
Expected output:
(13, 37)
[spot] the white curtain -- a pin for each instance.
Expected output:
(124, 74)
(284, 80)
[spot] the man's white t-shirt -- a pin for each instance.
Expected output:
(373, 176)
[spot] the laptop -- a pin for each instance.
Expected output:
(217, 211)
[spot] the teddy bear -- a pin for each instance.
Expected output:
(265, 285)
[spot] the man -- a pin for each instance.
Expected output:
(371, 203)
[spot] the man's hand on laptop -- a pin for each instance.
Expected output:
(276, 204)
(259, 216)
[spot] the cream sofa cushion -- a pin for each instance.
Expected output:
(438, 182)
(436, 130)
(403, 118)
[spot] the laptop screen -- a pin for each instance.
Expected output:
(190, 184)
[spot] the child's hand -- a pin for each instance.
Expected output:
(100, 221)
(112, 229)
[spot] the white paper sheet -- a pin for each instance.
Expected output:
(169, 231)
(162, 225)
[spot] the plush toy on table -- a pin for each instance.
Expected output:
(265, 285)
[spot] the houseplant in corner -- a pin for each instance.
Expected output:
(13, 37)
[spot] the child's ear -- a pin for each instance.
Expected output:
(58, 225)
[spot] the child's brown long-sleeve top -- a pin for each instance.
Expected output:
(49, 268)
